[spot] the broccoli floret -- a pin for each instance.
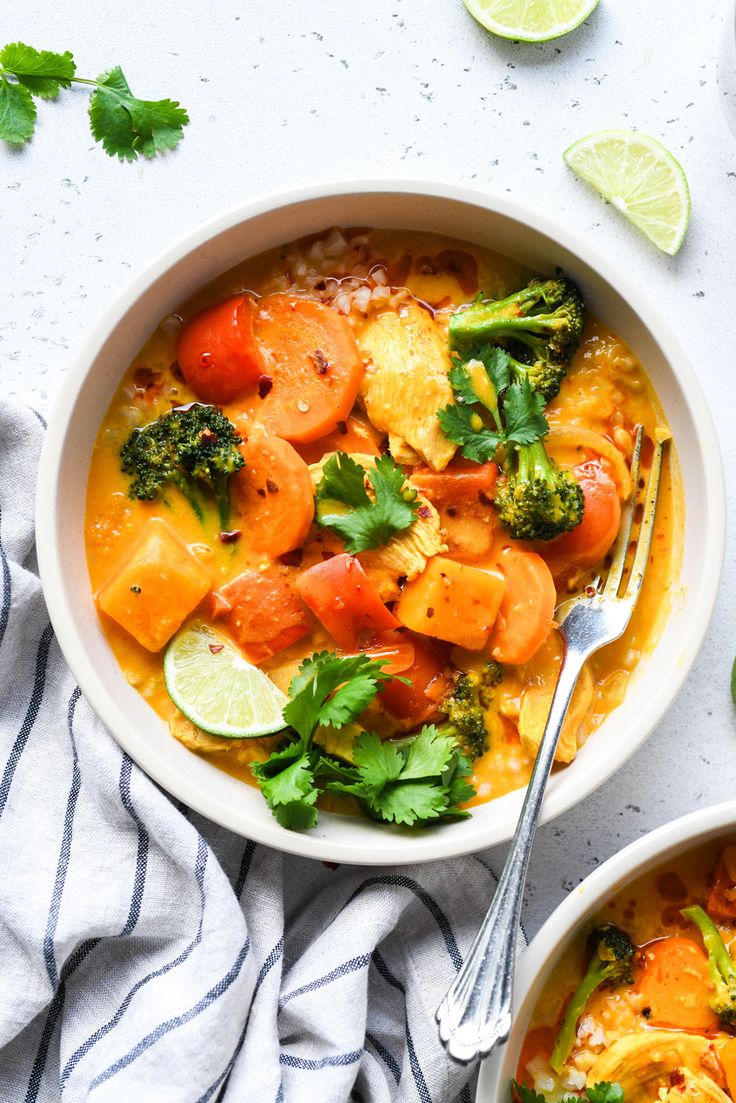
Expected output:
(191, 447)
(612, 954)
(543, 323)
(720, 966)
(465, 708)
(535, 499)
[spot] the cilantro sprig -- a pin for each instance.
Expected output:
(489, 409)
(126, 126)
(364, 521)
(414, 781)
(600, 1093)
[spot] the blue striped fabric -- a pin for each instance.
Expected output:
(149, 955)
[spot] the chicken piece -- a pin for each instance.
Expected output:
(401, 453)
(405, 555)
(406, 383)
(536, 701)
(239, 751)
(677, 1064)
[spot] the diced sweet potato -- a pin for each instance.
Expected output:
(156, 588)
(452, 601)
(264, 614)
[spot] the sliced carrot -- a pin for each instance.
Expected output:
(354, 435)
(429, 684)
(311, 368)
(274, 496)
(395, 649)
(217, 352)
(673, 980)
(263, 613)
(453, 602)
(527, 608)
(342, 597)
(593, 538)
(461, 479)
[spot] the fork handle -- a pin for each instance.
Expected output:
(475, 1015)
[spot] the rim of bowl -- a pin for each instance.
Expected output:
(538, 961)
(444, 841)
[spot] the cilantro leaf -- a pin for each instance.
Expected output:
(286, 780)
(332, 690)
(413, 782)
(462, 388)
(364, 522)
(17, 113)
(478, 445)
(522, 1093)
(523, 411)
(42, 72)
(429, 754)
(128, 126)
(410, 802)
(605, 1093)
(497, 363)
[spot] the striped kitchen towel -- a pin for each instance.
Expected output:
(149, 955)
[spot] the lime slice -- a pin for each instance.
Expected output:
(640, 178)
(212, 684)
(530, 20)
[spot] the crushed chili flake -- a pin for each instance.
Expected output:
(260, 492)
(135, 589)
(677, 1078)
(424, 511)
(292, 558)
(430, 612)
(216, 648)
(265, 383)
(451, 511)
(272, 487)
(342, 428)
(208, 437)
(231, 536)
(320, 361)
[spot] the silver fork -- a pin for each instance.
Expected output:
(475, 1015)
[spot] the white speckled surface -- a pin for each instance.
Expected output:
(284, 94)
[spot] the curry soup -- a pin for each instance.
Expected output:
(389, 295)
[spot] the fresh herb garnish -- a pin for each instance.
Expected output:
(328, 690)
(600, 1093)
(489, 409)
(125, 125)
(362, 520)
(414, 781)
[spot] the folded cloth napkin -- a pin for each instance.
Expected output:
(147, 954)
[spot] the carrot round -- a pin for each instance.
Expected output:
(311, 368)
(527, 608)
(273, 495)
(592, 539)
(263, 614)
(673, 980)
(217, 352)
(416, 699)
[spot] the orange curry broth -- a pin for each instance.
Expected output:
(648, 909)
(606, 389)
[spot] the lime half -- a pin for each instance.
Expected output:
(530, 20)
(212, 684)
(640, 178)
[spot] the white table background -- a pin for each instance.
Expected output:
(284, 94)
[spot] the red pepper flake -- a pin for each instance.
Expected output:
(216, 648)
(260, 492)
(424, 511)
(230, 537)
(677, 1078)
(320, 361)
(272, 487)
(265, 383)
(451, 511)
(292, 558)
(430, 612)
(342, 428)
(208, 437)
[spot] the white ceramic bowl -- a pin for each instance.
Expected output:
(568, 921)
(197, 259)
(727, 66)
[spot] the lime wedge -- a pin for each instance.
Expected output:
(640, 178)
(212, 684)
(530, 20)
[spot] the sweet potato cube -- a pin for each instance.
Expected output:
(452, 601)
(156, 588)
